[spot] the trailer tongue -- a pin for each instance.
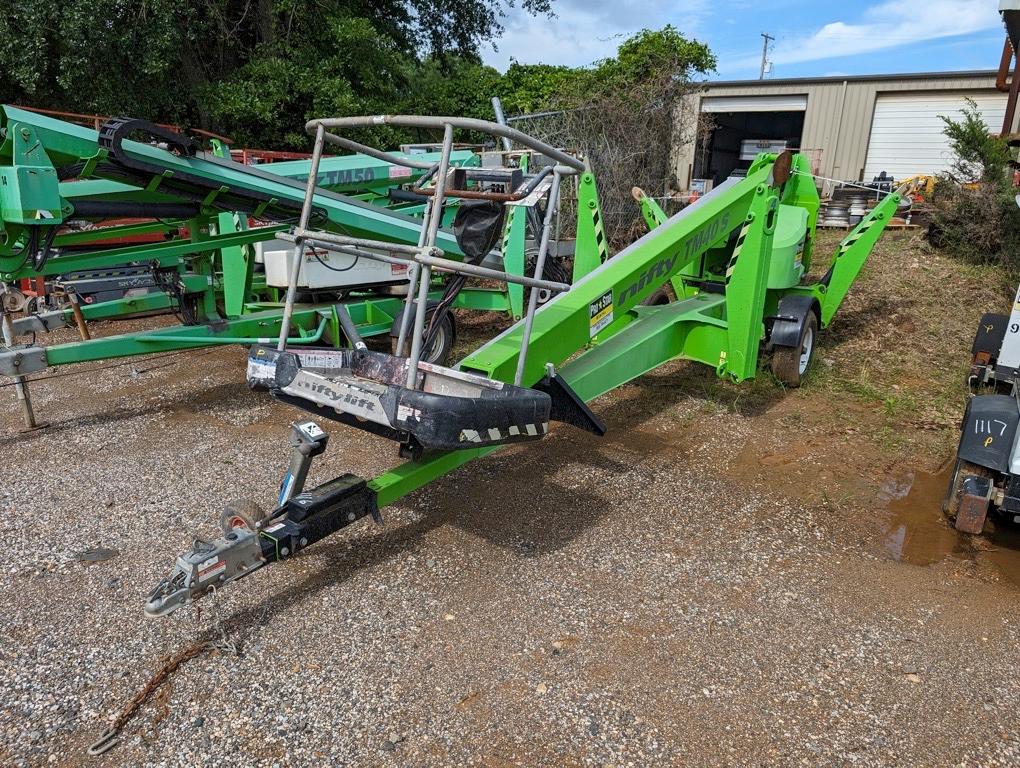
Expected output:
(736, 261)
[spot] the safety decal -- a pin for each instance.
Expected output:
(600, 313)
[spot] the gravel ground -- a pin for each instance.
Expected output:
(643, 599)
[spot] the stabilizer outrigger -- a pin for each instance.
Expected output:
(736, 261)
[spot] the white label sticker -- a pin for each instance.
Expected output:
(210, 568)
(600, 313)
(404, 412)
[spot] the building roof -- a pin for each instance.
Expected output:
(974, 73)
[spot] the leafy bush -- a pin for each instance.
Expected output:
(974, 214)
(624, 114)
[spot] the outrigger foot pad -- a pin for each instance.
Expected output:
(300, 522)
(449, 409)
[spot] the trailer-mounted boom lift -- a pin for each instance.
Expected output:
(737, 260)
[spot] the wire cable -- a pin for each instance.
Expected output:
(352, 265)
(846, 183)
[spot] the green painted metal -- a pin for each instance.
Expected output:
(251, 328)
(653, 215)
(166, 253)
(82, 237)
(591, 248)
(406, 478)
(302, 338)
(786, 267)
(358, 173)
(29, 188)
(655, 336)
(60, 144)
(259, 321)
(721, 329)
(746, 281)
(107, 310)
(514, 259)
(564, 324)
(237, 263)
(850, 256)
(651, 211)
(213, 252)
(484, 299)
(800, 191)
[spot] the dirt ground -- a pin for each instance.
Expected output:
(734, 575)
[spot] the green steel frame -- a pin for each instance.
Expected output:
(215, 258)
(723, 328)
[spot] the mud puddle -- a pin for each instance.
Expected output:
(917, 532)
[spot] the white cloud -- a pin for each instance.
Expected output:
(886, 25)
(583, 32)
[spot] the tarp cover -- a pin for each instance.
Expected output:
(478, 227)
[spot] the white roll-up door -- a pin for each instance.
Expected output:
(907, 136)
(782, 103)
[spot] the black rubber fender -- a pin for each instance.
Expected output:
(788, 323)
(989, 432)
(990, 333)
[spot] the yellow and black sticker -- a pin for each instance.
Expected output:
(600, 313)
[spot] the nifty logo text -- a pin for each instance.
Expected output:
(663, 268)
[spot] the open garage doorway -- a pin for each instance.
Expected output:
(738, 128)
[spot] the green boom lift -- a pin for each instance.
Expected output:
(52, 172)
(736, 260)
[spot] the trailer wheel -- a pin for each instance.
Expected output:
(962, 470)
(789, 364)
(659, 298)
(241, 513)
(441, 347)
(553, 270)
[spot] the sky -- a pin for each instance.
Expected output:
(813, 38)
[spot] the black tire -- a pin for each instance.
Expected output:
(241, 513)
(661, 297)
(791, 364)
(554, 271)
(443, 344)
(962, 470)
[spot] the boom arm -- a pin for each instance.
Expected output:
(35, 146)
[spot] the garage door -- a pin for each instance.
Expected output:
(906, 132)
(783, 103)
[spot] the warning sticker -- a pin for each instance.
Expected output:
(405, 412)
(600, 313)
(211, 567)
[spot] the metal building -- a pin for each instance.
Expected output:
(853, 128)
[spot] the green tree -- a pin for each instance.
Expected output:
(200, 61)
(979, 156)
(974, 213)
(625, 114)
(653, 55)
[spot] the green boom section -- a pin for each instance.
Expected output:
(564, 325)
(34, 145)
(356, 173)
(721, 327)
(568, 322)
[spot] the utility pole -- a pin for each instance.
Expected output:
(765, 53)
